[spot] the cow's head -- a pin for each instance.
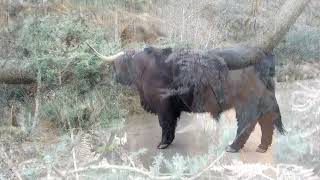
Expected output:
(129, 65)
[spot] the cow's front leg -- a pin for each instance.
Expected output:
(168, 123)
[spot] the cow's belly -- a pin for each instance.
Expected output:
(244, 85)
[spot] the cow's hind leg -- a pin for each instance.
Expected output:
(270, 119)
(266, 125)
(247, 115)
(243, 133)
(168, 122)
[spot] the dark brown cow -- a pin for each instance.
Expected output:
(170, 82)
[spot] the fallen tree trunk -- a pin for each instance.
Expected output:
(16, 72)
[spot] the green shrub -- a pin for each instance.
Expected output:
(54, 43)
(69, 70)
(98, 107)
(299, 46)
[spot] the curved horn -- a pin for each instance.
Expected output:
(106, 58)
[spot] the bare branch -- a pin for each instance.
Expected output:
(196, 176)
(58, 172)
(118, 167)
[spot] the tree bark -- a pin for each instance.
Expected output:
(286, 17)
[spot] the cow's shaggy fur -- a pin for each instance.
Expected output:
(170, 82)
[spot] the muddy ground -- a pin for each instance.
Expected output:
(197, 133)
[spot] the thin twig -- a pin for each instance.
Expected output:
(196, 176)
(118, 167)
(58, 172)
(265, 176)
(74, 155)
(73, 150)
(10, 164)
(37, 100)
(140, 171)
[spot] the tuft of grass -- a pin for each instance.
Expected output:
(13, 134)
(99, 107)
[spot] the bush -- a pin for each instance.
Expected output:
(299, 46)
(54, 43)
(69, 71)
(99, 107)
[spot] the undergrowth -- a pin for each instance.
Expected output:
(69, 71)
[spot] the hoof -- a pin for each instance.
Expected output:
(163, 146)
(231, 149)
(261, 150)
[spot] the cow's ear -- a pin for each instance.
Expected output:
(148, 49)
(167, 51)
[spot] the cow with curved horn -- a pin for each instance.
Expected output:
(171, 81)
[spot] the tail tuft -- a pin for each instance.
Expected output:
(279, 125)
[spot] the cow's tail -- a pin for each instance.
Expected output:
(279, 125)
(266, 71)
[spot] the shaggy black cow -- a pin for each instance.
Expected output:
(170, 82)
